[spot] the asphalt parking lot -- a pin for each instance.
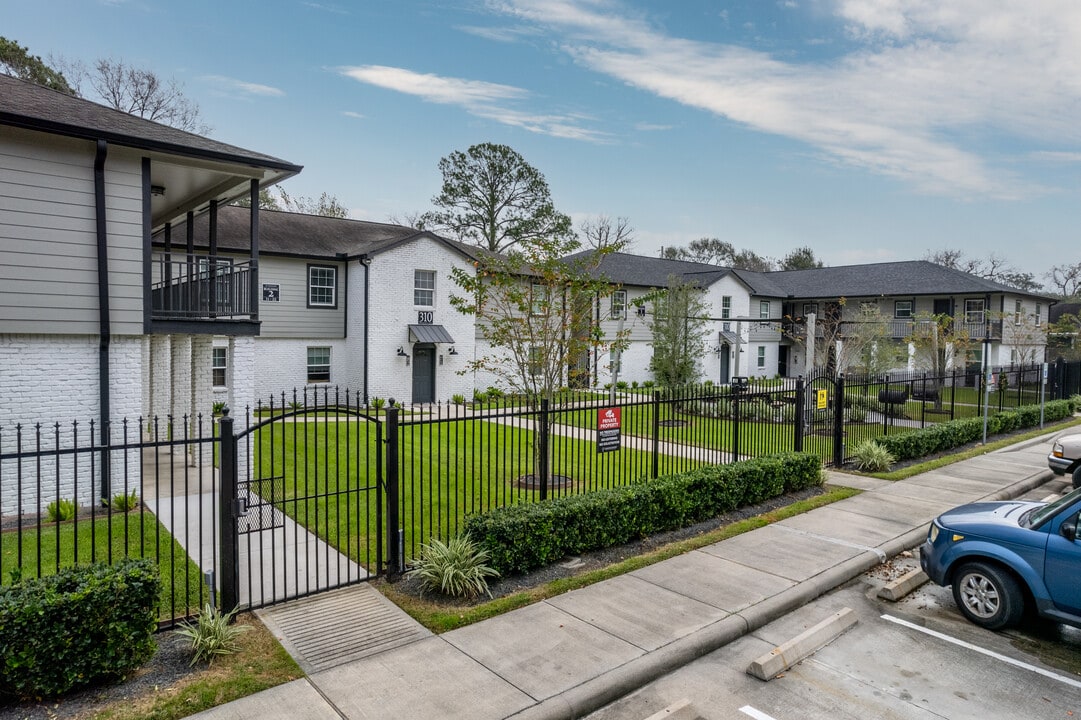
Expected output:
(916, 658)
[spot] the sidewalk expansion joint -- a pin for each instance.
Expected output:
(836, 541)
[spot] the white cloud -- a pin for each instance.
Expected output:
(651, 127)
(487, 100)
(352, 114)
(925, 77)
(232, 85)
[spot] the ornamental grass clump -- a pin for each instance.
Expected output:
(458, 568)
(872, 457)
(212, 634)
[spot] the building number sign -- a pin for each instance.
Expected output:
(425, 317)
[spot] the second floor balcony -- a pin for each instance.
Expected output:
(193, 289)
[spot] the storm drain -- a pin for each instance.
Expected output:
(333, 628)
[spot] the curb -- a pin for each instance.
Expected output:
(597, 692)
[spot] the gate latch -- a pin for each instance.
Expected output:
(240, 507)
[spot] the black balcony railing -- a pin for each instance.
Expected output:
(200, 287)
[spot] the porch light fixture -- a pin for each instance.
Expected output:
(158, 190)
(401, 352)
(452, 351)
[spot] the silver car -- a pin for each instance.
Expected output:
(1065, 457)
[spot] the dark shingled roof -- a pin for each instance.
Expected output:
(911, 277)
(35, 107)
(644, 271)
(310, 236)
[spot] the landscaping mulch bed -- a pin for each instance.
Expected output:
(598, 559)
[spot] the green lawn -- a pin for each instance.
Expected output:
(135, 534)
(323, 475)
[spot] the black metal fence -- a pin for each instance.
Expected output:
(318, 490)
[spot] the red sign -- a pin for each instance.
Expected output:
(608, 418)
(608, 429)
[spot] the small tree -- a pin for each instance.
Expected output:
(679, 330)
(1025, 337)
(938, 343)
(866, 344)
(535, 309)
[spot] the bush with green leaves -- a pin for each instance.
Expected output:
(77, 627)
(949, 435)
(869, 456)
(458, 399)
(520, 538)
(212, 634)
(458, 568)
(124, 502)
(61, 510)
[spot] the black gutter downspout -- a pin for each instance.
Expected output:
(104, 326)
(344, 294)
(365, 261)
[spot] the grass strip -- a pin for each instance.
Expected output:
(261, 663)
(441, 618)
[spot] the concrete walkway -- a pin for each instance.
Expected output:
(574, 653)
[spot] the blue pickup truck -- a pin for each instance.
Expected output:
(1004, 557)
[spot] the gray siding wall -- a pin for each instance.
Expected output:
(291, 317)
(48, 245)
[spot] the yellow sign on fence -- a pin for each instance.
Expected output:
(823, 399)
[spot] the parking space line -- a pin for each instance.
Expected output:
(984, 651)
(756, 714)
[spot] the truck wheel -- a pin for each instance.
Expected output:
(988, 596)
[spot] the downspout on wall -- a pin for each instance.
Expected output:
(365, 262)
(104, 325)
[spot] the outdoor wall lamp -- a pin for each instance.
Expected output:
(158, 190)
(401, 352)
(452, 351)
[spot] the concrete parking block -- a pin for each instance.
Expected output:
(714, 580)
(781, 552)
(896, 589)
(541, 649)
(627, 606)
(784, 656)
(428, 679)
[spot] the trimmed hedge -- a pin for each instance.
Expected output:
(79, 626)
(520, 538)
(945, 436)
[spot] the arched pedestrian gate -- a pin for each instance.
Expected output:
(301, 502)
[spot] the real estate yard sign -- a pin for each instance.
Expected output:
(608, 429)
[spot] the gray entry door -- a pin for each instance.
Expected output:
(423, 373)
(726, 355)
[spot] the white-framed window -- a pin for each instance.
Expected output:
(1038, 313)
(424, 287)
(539, 298)
(318, 364)
(902, 308)
(219, 365)
(536, 359)
(809, 308)
(761, 356)
(763, 309)
(726, 311)
(322, 286)
(619, 304)
(1018, 312)
(974, 310)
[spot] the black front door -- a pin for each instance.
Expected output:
(943, 306)
(782, 361)
(726, 357)
(423, 373)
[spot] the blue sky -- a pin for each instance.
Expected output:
(870, 130)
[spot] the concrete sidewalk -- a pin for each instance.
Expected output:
(574, 653)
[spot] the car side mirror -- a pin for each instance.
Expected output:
(1068, 530)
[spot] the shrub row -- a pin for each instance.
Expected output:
(76, 627)
(520, 538)
(945, 436)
